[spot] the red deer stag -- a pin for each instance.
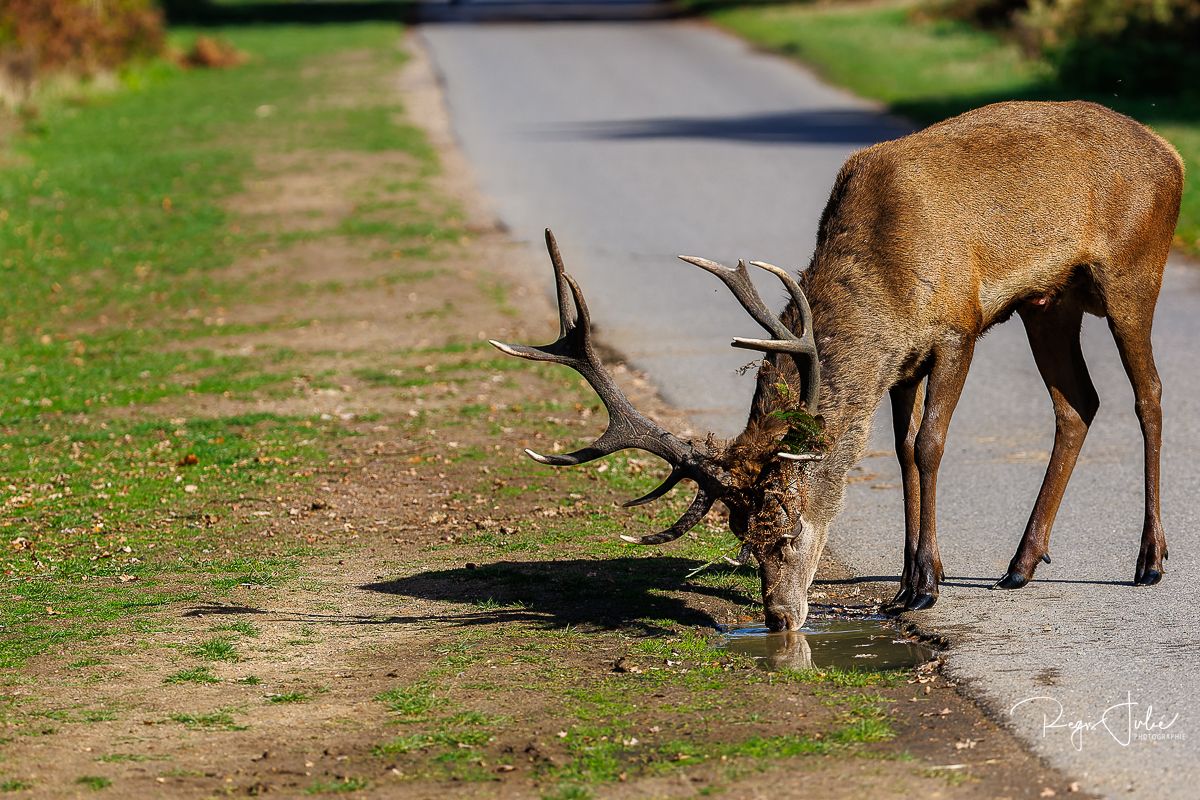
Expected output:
(1048, 210)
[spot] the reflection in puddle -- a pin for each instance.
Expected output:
(863, 643)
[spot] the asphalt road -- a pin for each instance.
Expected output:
(639, 140)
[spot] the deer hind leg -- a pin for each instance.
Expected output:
(1054, 339)
(951, 360)
(1132, 334)
(907, 401)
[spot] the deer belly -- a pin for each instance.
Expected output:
(1001, 296)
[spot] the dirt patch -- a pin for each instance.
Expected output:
(311, 190)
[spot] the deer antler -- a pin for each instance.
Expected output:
(785, 341)
(627, 427)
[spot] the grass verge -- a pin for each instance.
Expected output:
(118, 264)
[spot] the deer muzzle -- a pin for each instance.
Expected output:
(787, 570)
(786, 618)
(785, 595)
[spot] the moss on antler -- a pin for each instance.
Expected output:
(805, 433)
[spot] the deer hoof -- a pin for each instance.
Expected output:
(1147, 577)
(899, 602)
(1011, 580)
(922, 602)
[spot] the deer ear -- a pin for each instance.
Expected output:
(747, 454)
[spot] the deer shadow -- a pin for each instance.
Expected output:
(646, 596)
(213, 13)
(810, 126)
(649, 595)
(207, 13)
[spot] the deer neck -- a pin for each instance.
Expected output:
(857, 368)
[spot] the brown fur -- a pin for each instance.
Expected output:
(1044, 209)
(755, 447)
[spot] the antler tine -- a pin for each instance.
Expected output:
(573, 346)
(738, 280)
(565, 322)
(793, 287)
(627, 427)
(785, 341)
(808, 342)
(675, 477)
(696, 511)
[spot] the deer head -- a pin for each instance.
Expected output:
(755, 475)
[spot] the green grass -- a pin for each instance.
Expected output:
(214, 721)
(422, 741)
(931, 70)
(243, 627)
(840, 677)
(94, 782)
(86, 662)
(194, 675)
(569, 793)
(289, 697)
(217, 649)
(409, 702)
(115, 264)
(98, 715)
(604, 721)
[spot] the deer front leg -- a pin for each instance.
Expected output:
(907, 401)
(951, 360)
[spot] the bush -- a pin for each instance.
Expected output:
(1143, 46)
(981, 13)
(80, 35)
(1147, 46)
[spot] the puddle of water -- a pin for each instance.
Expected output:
(864, 643)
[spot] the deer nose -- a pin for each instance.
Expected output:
(783, 618)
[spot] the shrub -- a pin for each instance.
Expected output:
(981, 13)
(1147, 46)
(80, 35)
(1142, 46)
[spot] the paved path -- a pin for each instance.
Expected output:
(636, 141)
